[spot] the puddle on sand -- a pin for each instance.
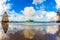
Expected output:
(29, 32)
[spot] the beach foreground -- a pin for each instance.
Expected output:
(19, 35)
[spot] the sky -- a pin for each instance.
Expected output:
(37, 10)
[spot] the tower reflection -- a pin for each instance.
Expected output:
(5, 26)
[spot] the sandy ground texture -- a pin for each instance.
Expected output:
(32, 35)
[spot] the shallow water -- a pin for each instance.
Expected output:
(41, 30)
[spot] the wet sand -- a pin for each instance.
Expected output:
(38, 36)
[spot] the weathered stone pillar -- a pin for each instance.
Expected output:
(58, 21)
(4, 22)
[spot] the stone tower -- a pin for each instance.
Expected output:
(5, 17)
(4, 22)
(58, 21)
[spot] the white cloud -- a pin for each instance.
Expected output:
(40, 15)
(18, 18)
(14, 16)
(38, 18)
(58, 3)
(51, 16)
(29, 11)
(4, 6)
(38, 1)
(43, 15)
(11, 15)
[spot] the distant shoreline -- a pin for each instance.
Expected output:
(31, 22)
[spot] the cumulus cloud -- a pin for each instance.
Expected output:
(51, 16)
(57, 3)
(40, 15)
(14, 16)
(4, 6)
(38, 1)
(18, 18)
(29, 11)
(11, 15)
(43, 15)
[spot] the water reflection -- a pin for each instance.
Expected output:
(29, 32)
(5, 26)
(49, 29)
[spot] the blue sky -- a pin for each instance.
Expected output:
(19, 5)
(22, 10)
